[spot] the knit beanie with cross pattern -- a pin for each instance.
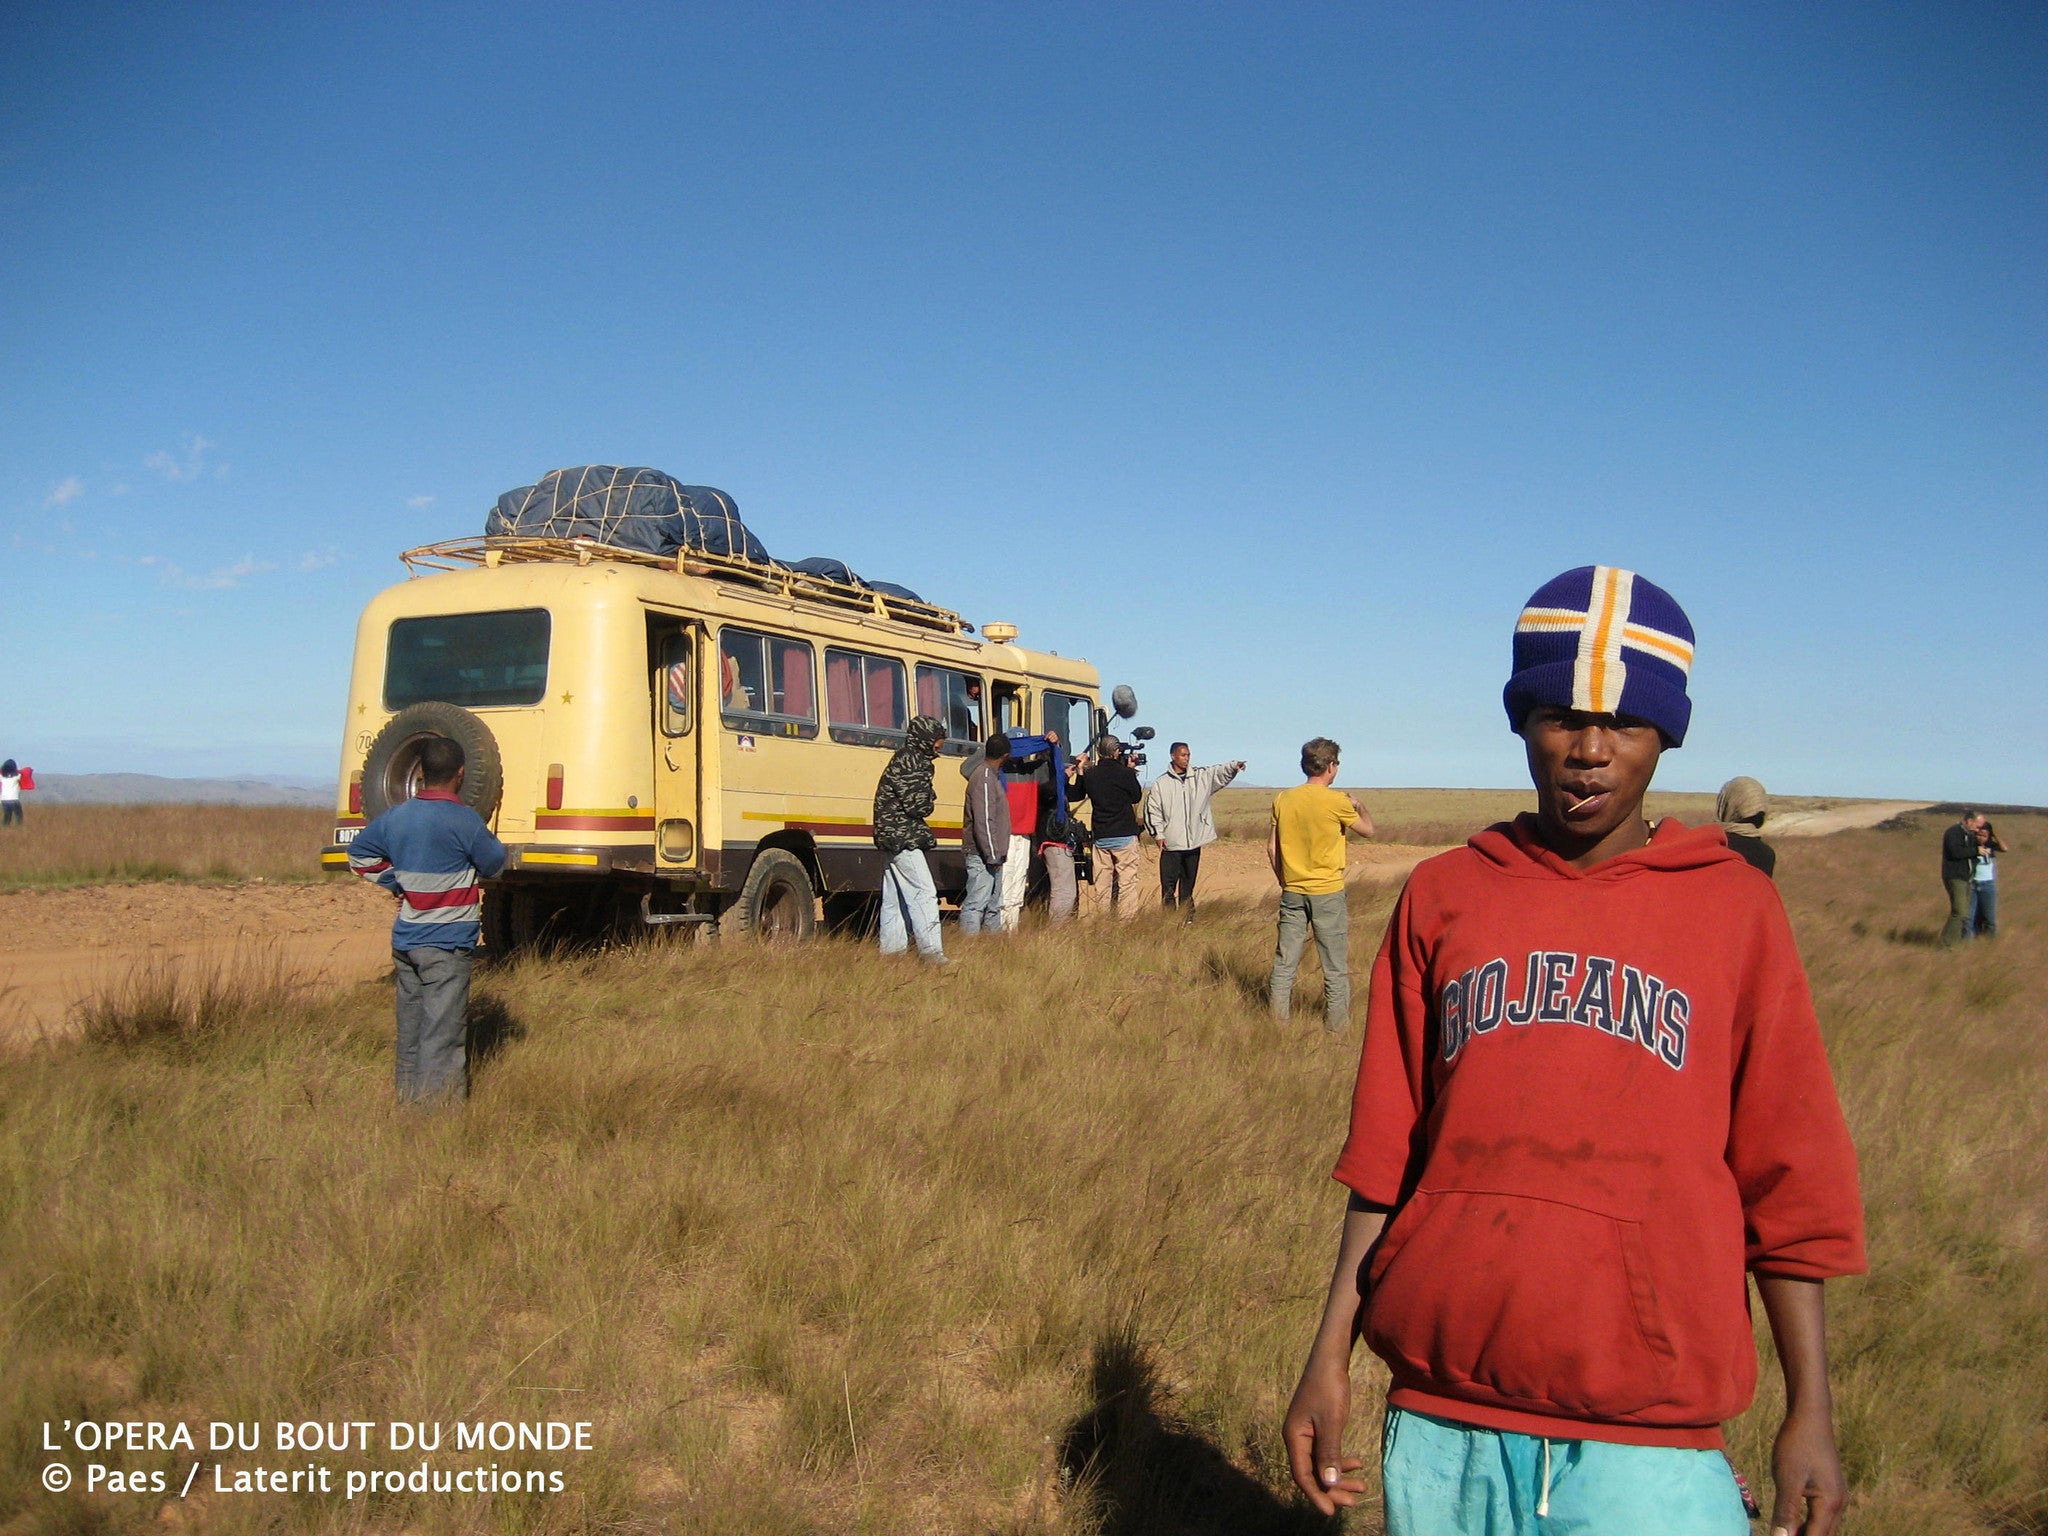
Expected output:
(1606, 642)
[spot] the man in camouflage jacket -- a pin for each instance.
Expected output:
(903, 799)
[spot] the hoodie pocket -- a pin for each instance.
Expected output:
(1533, 1302)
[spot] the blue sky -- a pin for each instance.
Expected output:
(1267, 356)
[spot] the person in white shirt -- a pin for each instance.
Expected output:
(1177, 815)
(10, 794)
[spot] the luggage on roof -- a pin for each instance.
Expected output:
(627, 508)
(825, 567)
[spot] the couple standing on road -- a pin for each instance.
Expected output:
(1969, 874)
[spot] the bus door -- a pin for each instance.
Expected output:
(675, 648)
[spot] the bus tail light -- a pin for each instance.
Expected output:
(355, 793)
(554, 786)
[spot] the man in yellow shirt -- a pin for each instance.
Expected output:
(1306, 849)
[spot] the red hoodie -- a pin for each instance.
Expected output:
(1593, 1099)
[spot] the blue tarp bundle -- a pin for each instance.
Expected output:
(628, 508)
(837, 570)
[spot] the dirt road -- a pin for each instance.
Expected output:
(1840, 818)
(62, 945)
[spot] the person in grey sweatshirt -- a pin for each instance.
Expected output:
(985, 839)
(1178, 816)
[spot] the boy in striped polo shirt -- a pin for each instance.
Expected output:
(430, 852)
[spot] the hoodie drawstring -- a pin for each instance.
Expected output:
(1543, 1499)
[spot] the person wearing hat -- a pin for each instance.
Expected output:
(1591, 1102)
(1740, 808)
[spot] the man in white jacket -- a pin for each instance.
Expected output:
(1177, 814)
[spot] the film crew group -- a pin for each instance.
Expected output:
(430, 852)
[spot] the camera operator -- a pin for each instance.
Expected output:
(1111, 786)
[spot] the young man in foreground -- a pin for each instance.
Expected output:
(431, 851)
(1592, 1096)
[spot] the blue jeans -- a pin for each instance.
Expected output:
(981, 909)
(909, 897)
(1446, 1479)
(1983, 908)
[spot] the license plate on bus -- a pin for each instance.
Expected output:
(345, 835)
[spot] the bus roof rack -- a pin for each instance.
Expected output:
(455, 554)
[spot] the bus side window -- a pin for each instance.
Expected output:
(1010, 711)
(864, 698)
(742, 686)
(955, 700)
(675, 685)
(1068, 714)
(765, 684)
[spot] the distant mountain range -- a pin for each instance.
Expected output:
(150, 789)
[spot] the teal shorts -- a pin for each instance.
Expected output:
(1446, 1479)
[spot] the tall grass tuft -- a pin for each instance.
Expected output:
(823, 1242)
(183, 1001)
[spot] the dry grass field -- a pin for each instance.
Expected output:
(820, 1242)
(93, 844)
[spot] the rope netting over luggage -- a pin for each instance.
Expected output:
(626, 508)
(641, 512)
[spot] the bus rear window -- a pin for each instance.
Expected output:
(476, 660)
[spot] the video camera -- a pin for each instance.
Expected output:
(1125, 704)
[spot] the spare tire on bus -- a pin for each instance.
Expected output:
(778, 902)
(391, 771)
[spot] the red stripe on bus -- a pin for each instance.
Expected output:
(593, 823)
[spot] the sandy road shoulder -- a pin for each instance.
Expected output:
(59, 945)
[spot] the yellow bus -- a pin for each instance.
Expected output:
(687, 739)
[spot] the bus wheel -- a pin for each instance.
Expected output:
(777, 902)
